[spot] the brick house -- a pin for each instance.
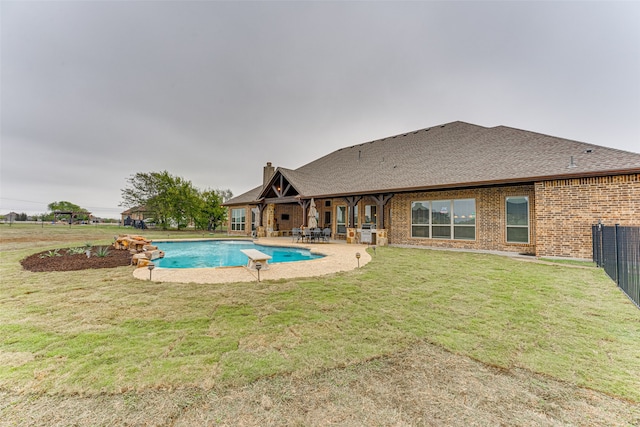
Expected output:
(455, 185)
(135, 214)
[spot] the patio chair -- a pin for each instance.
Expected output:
(326, 234)
(306, 234)
(296, 234)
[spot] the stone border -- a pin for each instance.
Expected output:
(338, 256)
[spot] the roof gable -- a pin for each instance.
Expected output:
(279, 186)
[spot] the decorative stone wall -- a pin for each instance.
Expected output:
(490, 218)
(351, 235)
(142, 249)
(381, 237)
(566, 209)
(268, 216)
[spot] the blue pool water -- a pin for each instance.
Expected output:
(222, 253)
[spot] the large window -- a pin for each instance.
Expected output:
(238, 219)
(370, 214)
(341, 219)
(517, 219)
(444, 219)
(464, 219)
(420, 219)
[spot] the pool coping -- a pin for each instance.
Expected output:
(338, 256)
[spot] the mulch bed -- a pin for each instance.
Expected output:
(73, 262)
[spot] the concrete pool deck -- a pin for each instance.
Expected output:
(338, 256)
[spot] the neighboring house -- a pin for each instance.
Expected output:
(10, 217)
(456, 185)
(134, 216)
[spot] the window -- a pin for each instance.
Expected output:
(441, 219)
(420, 214)
(464, 219)
(238, 217)
(327, 218)
(517, 219)
(444, 219)
(370, 214)
(341, 219)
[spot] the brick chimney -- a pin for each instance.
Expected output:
(267, 174)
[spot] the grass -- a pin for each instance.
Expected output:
(99, 331)
(575, 262)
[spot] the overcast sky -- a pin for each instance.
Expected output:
(93, 92)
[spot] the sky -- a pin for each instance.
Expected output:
(92, 92)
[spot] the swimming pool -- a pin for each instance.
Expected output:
(222, 253)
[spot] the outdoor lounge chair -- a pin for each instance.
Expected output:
(296, 234)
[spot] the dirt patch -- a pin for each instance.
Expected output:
(64, 260)
(423, 386)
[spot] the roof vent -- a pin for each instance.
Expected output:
(588, 151)
(572, 164)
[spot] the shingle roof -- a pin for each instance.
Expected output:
(249, 197)
(456, 154)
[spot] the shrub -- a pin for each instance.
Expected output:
(52, 253)
(102, 251)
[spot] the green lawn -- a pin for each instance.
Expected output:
(104, 331)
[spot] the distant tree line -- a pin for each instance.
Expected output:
(174, 201)
(53, 207)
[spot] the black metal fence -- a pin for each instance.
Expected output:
(617, 250)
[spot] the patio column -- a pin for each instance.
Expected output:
(260, 228)
(352, 202)
(304, 204)
(352, 232)
(381, 200)
(270, 216)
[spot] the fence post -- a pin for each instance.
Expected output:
(615, 238)
(598, 250)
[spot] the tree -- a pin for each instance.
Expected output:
(153, 191)
(211, 213)
(64, 206)
(174, 201)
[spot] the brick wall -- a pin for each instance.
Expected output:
(565, 210)
(247, 224)
(490, 218)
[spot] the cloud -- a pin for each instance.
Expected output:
(211, 91)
